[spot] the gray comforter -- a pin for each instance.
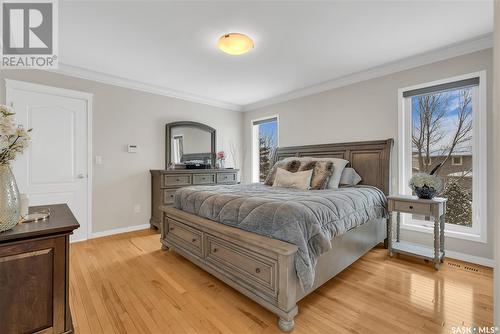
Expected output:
(307, 219)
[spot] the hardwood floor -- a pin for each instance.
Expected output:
(126, 284)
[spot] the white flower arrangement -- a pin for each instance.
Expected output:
(14, 138)
(421, 180)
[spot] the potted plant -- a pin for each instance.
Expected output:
(426, 186)
(14, 139)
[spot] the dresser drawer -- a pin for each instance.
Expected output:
(176, 180)
(208, 178)
(417, 208)
(253, 269)
(185, 237)
(168, 196)
(226, 178)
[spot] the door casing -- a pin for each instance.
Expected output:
(11, 85)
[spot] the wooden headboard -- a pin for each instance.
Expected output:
(370, 159)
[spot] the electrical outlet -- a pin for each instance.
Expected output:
(98, 160)
(137, 208)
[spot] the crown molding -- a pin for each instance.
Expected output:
(455, 50)
(82, 73)
(451, 51)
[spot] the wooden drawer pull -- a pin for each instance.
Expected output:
(193, 240)
(257, 270)
(178, 180)
(171, 229)
(411, 207)
(215, 250)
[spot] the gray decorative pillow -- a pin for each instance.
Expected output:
(297, 180)
(322, 171)
(288, 165)
(349, 177)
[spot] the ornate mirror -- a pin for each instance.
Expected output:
(190, 143)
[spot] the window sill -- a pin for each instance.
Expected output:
(448, 234)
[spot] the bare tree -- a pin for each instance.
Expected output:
(266, 148)
(463, 131)
(428, 130)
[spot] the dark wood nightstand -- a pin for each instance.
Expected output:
(34, 274)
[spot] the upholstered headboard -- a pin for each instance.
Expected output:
(371, 159)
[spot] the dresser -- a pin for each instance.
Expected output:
(34, 274)
(164, 183)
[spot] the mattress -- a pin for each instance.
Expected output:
(308, 219)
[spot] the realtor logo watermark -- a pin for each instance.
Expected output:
(29, 34)
(474, 330)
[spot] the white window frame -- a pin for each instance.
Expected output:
(255, 144)
(478, 231)
(460, 163)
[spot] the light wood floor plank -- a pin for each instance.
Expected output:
(126, 284)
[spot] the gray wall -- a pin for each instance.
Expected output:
(495, 158)
(123, 116)
(367, 111)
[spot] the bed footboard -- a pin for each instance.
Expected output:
(261, 268)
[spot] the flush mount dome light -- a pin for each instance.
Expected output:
(235, 43)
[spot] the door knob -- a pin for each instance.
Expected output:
(81, 176)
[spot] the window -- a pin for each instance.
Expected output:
(457, 160)
(265, 141)
(444, 124)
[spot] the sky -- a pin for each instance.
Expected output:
(448, 122)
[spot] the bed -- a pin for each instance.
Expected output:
(255, 260)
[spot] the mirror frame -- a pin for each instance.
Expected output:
(201, 126)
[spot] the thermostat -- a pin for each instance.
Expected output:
(132, 148)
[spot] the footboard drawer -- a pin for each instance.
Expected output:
(250, 267)
(185, 237)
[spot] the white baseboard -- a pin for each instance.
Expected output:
(471, 258)
(119, 230)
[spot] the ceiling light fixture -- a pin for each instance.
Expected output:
(235, 43)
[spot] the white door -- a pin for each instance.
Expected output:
(54, 169)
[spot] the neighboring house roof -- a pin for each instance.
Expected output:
(454, 154)
(460, 174)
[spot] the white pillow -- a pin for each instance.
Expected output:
(338, 168)
(349, 177)
(299, 180)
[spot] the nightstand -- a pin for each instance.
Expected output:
(435, 208)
